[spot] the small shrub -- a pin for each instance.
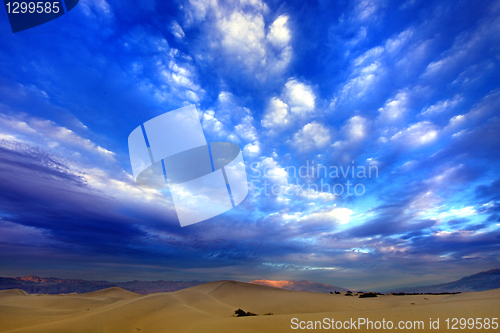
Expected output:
(241, 313)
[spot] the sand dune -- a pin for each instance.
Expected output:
(210, 308)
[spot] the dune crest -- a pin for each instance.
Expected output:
(211, 308)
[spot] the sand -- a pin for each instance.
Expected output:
(210, 308)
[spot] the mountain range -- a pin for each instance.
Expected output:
(36, 285)
(478, 282)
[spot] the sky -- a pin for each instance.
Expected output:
(369, 129)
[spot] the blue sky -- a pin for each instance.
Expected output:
(408, 89)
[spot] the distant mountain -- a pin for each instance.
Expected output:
(300, 285)
(37, 285)
(478, 282)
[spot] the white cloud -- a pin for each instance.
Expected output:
(246, 130)
(279, 34)
(394, 109)
(334, 215)
(366, 9)
(296, 102)
(312, 136)
(442, 106)
(356, 128)
(237, 33)
(243, 37)
(272, 171)
(362, 81)
(211, 124)
(393, 45)
(276, 115)
(96, 8)
(243, 41)
(299, 97)
(369, 56)
(177, 30)
(49, 135)
(458, 213)
(197, 10)
(252, 149)
(485, 108)
(180, 76)
(417, 134)
(467, 45)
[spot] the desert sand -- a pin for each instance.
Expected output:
(210, 308)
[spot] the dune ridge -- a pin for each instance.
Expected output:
(210, 308)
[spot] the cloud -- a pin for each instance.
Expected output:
(252, 149)
(243, 38)
(394, 109)
(418, 134)
(49, 135)
(243, 41)
(276, 115)
(177, 30)
(362, 81)
(312, 136)
(239, 36)
(271, 170)
(355, 129)
(279, 34)
(467, 47)
(296, 103)
(246, 130)
(96, 8)
(299, 97)
(165, 74)
(334, 215)
(366, 9)
(442, 106)
(211, 124)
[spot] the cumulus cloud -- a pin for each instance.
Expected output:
(296, 102)
(240, 35)
(299, 97)
(271, 170)
(279, 34)
(165, 73)
(356, 129)
(246, 130)
(252, 149)
(312, 136)
(243, 38)
(276, 115)
(211, 124)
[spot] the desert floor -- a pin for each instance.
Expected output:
(210, 308)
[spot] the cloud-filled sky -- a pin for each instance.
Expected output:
(370, 130)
